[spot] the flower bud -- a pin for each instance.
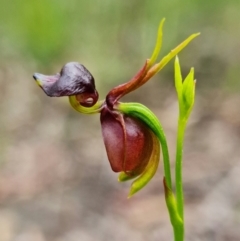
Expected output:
(185, 90)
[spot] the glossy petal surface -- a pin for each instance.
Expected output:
(150, 170)
(128, 142)
(113, 136)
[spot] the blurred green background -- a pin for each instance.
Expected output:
(55, 180)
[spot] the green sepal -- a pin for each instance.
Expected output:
(178, 77)
(158, 44)
(174, 52)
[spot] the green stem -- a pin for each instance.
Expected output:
(175, 218)
(178, 173)
(178, 169)
(175, 206)
(166, 161)
(178, 232)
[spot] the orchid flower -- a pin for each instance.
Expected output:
(132, 134)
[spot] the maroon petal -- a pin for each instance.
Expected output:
(47, 83)
(116, 93)
(138, 145)
(114, 140)
(128, 142)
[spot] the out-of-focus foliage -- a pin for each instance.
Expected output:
(36, 28)
(113, 35)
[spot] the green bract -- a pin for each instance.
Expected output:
(185, 90)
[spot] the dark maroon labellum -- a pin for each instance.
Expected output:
(128, 142)
(74, 79)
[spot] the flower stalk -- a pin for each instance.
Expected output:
(178, 168)
(186, 94)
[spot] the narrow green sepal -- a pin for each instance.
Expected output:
(178, 77)
(172, 205)
(174, 52)
(158, 44)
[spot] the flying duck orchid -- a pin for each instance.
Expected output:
(132, 134)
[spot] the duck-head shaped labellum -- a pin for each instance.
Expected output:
(74, 79)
